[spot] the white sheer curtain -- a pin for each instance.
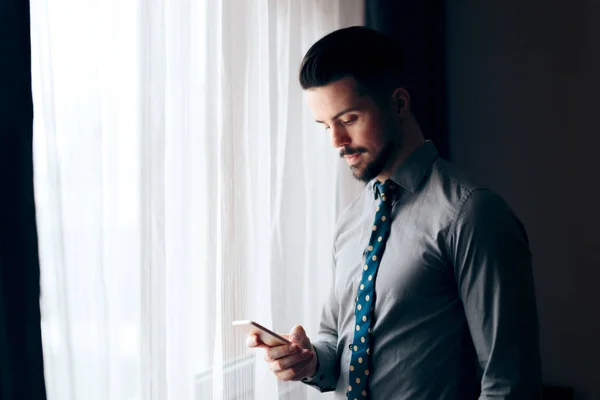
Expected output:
(180, 184)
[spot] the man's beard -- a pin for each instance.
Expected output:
(373, 168)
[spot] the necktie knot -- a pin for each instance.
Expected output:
(384, 189)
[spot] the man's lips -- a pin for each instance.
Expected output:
(352, 158)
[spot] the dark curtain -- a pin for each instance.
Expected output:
(21, 365)
(419, 26)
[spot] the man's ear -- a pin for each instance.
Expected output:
(401, 102)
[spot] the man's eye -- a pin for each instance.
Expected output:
(349, 121)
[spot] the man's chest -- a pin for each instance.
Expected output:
(413, 274)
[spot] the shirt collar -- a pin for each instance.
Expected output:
(410, 173)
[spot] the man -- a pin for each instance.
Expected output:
(433, 294)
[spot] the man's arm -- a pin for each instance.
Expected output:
(492, 264)
(325, 345)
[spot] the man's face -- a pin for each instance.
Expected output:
(362, 130)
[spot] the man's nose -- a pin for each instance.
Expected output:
(339, 137)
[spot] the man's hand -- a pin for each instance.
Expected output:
(289, 362)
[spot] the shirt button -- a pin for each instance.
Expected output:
(350, 346)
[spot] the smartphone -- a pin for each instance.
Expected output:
(266, 336)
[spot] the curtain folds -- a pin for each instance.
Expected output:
(181, 184)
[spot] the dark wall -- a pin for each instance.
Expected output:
(420, 27)
(524, 81)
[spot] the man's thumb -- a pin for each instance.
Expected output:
(298, 336)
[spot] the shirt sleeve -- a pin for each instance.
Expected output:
(492, 265)
(325, 344)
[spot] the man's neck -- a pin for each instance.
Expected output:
(411, 143)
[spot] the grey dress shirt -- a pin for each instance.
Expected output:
(455, 313)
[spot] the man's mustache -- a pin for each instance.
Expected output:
(348, 151)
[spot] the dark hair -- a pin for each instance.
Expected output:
(373, 59)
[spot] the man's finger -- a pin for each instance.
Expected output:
(298, 336)
(286, 362)
(277, 352)
(295, 371)
(253, 341)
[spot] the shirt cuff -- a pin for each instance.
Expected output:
(324, 379)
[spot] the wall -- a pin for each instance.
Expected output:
(524, 81)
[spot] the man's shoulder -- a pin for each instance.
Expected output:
(447, 186)
(463, 196)
(447, 176)
(448, 192)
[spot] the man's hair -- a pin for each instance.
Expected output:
(374, 60)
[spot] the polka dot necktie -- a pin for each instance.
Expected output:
(359, 362)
